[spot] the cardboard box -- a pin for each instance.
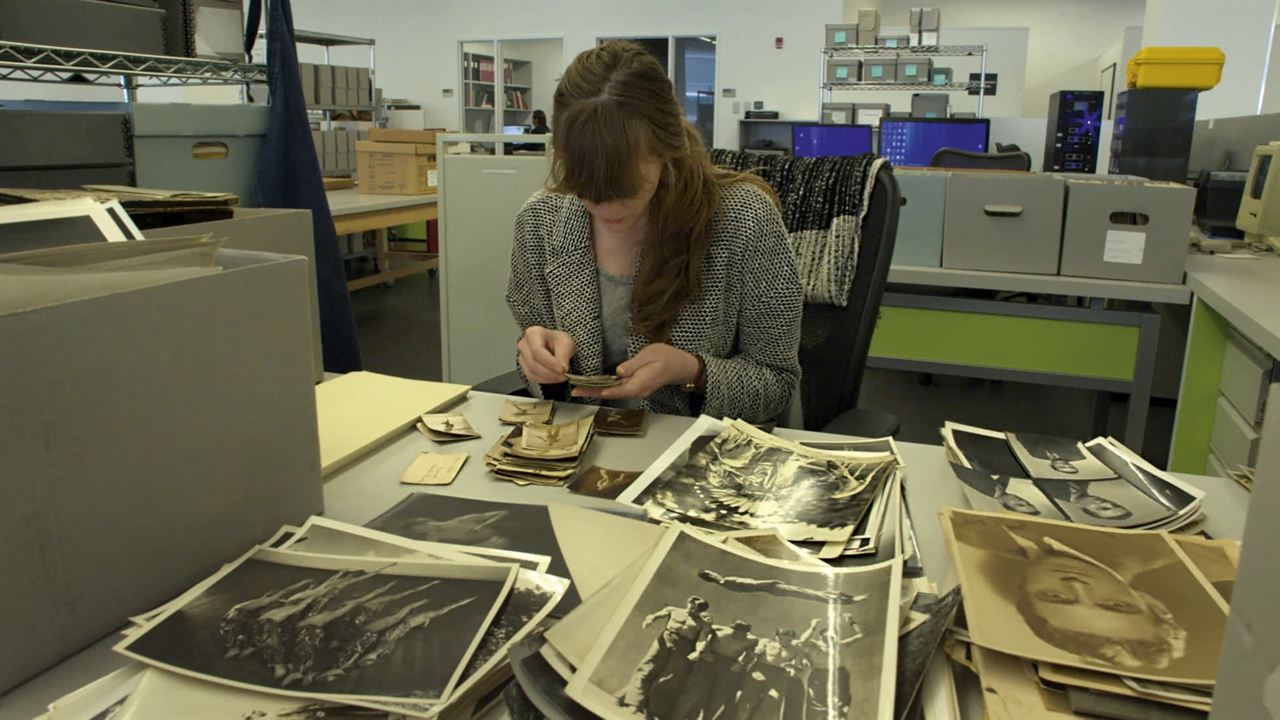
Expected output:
(329, 162)
(269, 230)
(210, 148)
(1126, 229)
(912, 70)
(324, 96)
(156, 433)
(880, 70)
(843, 70)
(940, 76)
(114, 27)
(870, 113)
(893, 41)
(930, 105)
(363, 80)
(837, 113)
(339, 76)
(324, 75)
(868, 26)
(925, 20)
(353, 77)
(920, 223)
(396, 168)
(394, 135)
(842, 35)
(1003, 222)
(330, 141)
(317, 139)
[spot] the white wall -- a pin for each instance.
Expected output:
(1065, 36)
(1271, 93)
(418, 42)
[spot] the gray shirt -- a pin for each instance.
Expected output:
(615, 317)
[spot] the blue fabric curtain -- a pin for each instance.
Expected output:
(289, 177)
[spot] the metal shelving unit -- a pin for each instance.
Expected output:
(330, 40)
(48, 63)
(925, 51)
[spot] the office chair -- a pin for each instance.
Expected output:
(835, 341)
(956, 158)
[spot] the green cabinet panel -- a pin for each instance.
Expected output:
(1065, 347)
(1201, 371)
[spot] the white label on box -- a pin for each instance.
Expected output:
(869, 117)
(839, 117)
(1124, 246)
(431, 177)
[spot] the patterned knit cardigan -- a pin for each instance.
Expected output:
(824, 201)
(745, 322)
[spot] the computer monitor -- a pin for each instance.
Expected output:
(1259, 215)
(830, 140)
(514, 129)
(913, 141)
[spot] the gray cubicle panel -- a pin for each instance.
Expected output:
(1228, 143)
(479, 197)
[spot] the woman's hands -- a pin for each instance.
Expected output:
(545, 354)
(655, 366)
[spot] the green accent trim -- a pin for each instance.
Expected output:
(1064, 347)
(1198, 394)
(412, 231)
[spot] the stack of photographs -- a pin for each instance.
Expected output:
(838, 499)
(1099, 482)
(338, 620)
(1064, 619)
(541, 454)
(707, 627)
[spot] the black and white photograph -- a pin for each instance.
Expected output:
(705, 629)
(1046, 457)
(328, 626)
(1106, 503)
(997, 493)
(977, 447)
(1161, 487)
(602, 482)
(464, 521)
(532, 596)
(1117, 601)
(746, 478)
(162, 694)
(855, 445)
(322, 536)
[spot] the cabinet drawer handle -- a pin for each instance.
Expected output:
(1002, 210)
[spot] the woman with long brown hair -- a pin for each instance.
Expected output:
(645, 260)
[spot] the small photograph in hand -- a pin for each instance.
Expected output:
(593, 381)
(521, 412)
(446, 427)
(602, 482)
(620, 421)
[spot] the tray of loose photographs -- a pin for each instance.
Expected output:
(1099, 482)
(1125, 613)
(840, 499)
(586, 546)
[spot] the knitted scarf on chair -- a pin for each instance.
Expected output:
(823, 203)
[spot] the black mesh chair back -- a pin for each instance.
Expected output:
(967, 159)
(834, 341)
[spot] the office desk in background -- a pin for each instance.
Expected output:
(356, 212)
(367, 487)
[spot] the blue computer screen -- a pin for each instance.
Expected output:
(912, 141)
(831, 140)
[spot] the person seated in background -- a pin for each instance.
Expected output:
(645, 260)
(539, 126)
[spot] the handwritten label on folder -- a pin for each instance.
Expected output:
(1124, 246)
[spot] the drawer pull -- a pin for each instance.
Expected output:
(1002, 210)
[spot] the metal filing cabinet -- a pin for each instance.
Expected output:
(1247, 374)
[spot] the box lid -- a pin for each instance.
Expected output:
(1180, 55)
(404, 136)
(186, 119)
(398, 148)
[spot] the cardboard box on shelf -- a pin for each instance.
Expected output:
(363, 80)
(394, 135)
(324, 76)
(353, 77)
(330, 141)
(324, 96)
(396, 168)
(317, 139)
(339, 76)
(329, 162)
(868, 26)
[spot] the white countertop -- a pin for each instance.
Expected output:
(366, 488)
(1244, 291)
(351, 201)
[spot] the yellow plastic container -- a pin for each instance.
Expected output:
(1183, 68)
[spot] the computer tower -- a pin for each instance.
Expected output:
(1075, 125)
(1152, 134)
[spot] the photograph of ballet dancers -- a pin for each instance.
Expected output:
(709, 632)
(504, 526)
(327, 626)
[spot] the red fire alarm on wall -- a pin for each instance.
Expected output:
(777, 43)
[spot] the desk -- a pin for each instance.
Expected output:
(1092, 347)
(366, 488)
(1238, 294)
(356, 212)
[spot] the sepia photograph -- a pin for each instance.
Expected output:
(977, 447)
(446, 427)
(1112, 600)
(996, 493)
(707, 630)
(329, 626)
(497, 525)
(520, 412)
(746, 478)
(560, 436)
(620, 421)
(602, 482)
(1046, 457)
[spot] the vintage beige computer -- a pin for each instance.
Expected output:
(1259, 215)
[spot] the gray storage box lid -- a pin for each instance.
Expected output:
(186, 120)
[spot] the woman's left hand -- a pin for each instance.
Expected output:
(655, 366)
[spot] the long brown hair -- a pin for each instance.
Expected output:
(615, 106)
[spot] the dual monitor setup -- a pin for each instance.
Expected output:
(903, 141)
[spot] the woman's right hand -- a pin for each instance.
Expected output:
(545, 354)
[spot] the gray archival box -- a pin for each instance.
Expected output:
(148, 436)
(1003, 222)
(1126, 229)
(924, 197)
